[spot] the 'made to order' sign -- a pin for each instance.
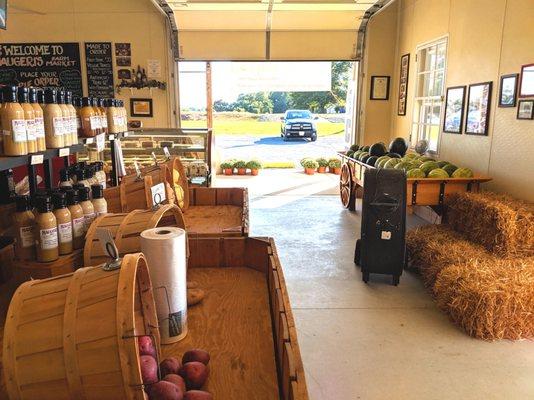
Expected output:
(41, 65)
(99, 62)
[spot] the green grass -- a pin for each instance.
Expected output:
(257, 128)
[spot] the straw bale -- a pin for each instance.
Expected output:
(489, 298)
(500, 223)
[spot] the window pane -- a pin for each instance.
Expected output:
(433, 135)
(436, 113)
(440, 59)
(437, 84)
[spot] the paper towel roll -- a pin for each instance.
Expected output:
(165, 252)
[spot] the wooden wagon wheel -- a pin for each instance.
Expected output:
(346, 188)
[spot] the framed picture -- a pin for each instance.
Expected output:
(379, 87)
(508, 90)
(123, 61)
(478, 108)
(141, 107)
(454, 110)
(525, 109)
(3, 14)
(123, 49)
(526, 89)
(403, 83)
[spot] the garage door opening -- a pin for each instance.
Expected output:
(277, 113)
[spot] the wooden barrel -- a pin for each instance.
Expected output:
(74, 336)
(126, 229)
(134, 192)
(179, 183)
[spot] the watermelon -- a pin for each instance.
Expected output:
(382, 162)
(441, 164)
(372, 160)
(362, 155)
(393, 155)
(415, 173)
(450, 168)
(364, 148)
(365, 158)
(349, 153)
(399, 146)
(462, 173)
(428, 166)
(424, 158)
(391, 163)
(354, 147)
(411, 155)
(403, 165)
(438, 173)
(378, 149)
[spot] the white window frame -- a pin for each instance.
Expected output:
(415, 127)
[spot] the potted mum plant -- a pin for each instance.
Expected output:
(304, 160)
(334, 165)
(310, 166)
(227, 167)
(241, 167)
(323, 163)
(254, 166)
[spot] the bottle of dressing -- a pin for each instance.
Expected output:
(13, 124)
(64, 223)
(67, 134)
(87, 207)
(53, 118)
(78, 220)
(64, 180)
(39, 121)
(99, 202)
(24, 223)
(29, 117)
(46, 231)
(73, 118)
(98, 116)
(103, 116)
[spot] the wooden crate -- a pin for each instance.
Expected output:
(26, 270)
(245, 321)
(419, 191)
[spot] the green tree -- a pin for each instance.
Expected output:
(280, 102)
(220, 105)
(258, 103)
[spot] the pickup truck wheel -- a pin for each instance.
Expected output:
(314, 138)
(284, 136)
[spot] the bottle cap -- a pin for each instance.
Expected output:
(40, 96)
(22, 94)
(77, 101)
(59, 199)
(60, 97)
(32, 95)
(50, 96)
(86, 101)
(43, 204)
(68, 97)
(98, 191)
(80, 174)
(100, 102)
(63, 175)
(23, 203)
(71, 196)
(83, 192)
(9, 94)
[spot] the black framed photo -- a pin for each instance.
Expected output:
(379, 87)
(478, 109)
(525, 109)
(141, 108)
(3, 14)
(454, 110)
(508, 90)
(526, 88)
(403, 84)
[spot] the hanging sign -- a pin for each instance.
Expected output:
(99, 62)
(41, 65)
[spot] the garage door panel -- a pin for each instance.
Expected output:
(313, 45)
(315, 20)
(222, 45)
(221, 20)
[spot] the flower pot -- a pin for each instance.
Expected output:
(336, 171)
(321, 170)
(309, 171)
(241, 171)
(228, 171)
(254, 172)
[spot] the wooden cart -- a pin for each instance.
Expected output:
(419, 191)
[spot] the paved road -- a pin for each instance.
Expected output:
(273, 148)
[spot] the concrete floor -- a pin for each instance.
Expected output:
(372, 341)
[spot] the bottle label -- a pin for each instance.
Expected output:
(78, 123)
(66, 125)
(78, 226)
(30, 129)
(104, 122)
(65, 232)
(116, 120)
(95, 123)
(59, 129)
(99, 213)
(19, 130)
(26, 236)
(48, 238)
(73, 124)
(39, 128)
(88, 220)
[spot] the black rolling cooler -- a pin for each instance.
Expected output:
(381, 249)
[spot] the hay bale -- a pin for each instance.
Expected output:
(433, 247)
(491, 299)
(503, 225)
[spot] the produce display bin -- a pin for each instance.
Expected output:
(26, 270)
(245, 321)
(419, 191)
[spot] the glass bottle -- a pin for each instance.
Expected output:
(46, 237)
(24, 224)
(39, 121)
(53, 118)
(64, 223)
(29, 118)
(78, 220)
(13, 124)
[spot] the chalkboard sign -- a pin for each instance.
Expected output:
(41, 65)
(99, 69)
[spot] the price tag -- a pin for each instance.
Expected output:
(89, 140)
(158, 193)
(36, 159)
(64, 152)
(125, 134)
(111, 137)
(166, 151)
(100, 142)
(107, 242)
(154, 158)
